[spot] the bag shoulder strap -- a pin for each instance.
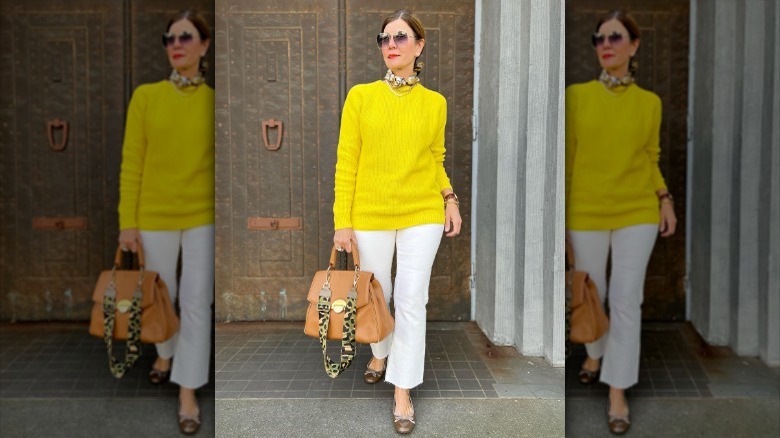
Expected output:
(132, 346)
(348, 330)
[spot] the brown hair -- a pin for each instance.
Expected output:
(633, 31)
(200, 24)
(414, 23)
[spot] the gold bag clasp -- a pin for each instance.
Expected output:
(338, 306)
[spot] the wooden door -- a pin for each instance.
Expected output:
(65, 60)
(663, 69)
(57, 207)
(277, 122)
(284, 61)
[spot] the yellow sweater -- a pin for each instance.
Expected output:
(167, 177)
(612, 148)
(390, 168)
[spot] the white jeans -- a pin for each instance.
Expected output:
(191, 346)
(417, 248)
(631, 250)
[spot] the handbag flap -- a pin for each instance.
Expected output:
(126, 282)
(340, 284)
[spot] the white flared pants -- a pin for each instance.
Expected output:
(191, 346)
(417, 247)
(631, 249)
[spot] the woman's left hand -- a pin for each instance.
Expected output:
(452, 220)
(668, 222)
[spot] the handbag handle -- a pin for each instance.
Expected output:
(355, 256)
(139, 254)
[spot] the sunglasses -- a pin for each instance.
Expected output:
(597, 39)
(400, 38)
(169, 39)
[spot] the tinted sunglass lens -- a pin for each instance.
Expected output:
(400, 38)
(614, 38)
(167, 40)
(597, 39)
(382, 39)
(185, 38)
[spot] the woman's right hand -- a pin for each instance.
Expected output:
(129, 239)
(343, 239)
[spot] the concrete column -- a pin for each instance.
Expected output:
(519, 269)
(769, 325)
(735, 285)
(727, 113)
(512, 78)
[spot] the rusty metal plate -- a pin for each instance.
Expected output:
(274, 223)
(663, 69)
(60, 223)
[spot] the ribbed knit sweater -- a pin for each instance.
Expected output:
(167, 176)
(612, 149)
(390, 168)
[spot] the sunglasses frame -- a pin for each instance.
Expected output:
(169, 39)
(598, 38)
(384, 38)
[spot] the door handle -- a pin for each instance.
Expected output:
(57, 124)
(272, 123)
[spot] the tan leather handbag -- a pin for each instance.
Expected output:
(587, 321)
(348, 306)
(131, 305)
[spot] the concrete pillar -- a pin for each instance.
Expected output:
(769, 292)
(519, 196)
(735, 218)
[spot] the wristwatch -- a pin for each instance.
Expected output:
(668, 196)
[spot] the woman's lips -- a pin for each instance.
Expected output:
(178, 55)
(607, 56)
(392, 56)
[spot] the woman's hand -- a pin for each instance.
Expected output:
(129, 239)
(668, 222)
(452, 220)
(343, 239)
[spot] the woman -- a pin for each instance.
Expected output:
(167, 202)
(392, 191)
(616, 200)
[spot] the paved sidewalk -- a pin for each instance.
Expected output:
(270, 382)
(686, 389)
(54, 382)
(446, 418)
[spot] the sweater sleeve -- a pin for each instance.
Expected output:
(133, 152)
(571, 137)
(347, 158)
(437, 147)
(653, 146)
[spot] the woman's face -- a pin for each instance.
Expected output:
(185, 48)
(399, 56)
(614, 47)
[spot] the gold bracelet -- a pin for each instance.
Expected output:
(451, 202)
